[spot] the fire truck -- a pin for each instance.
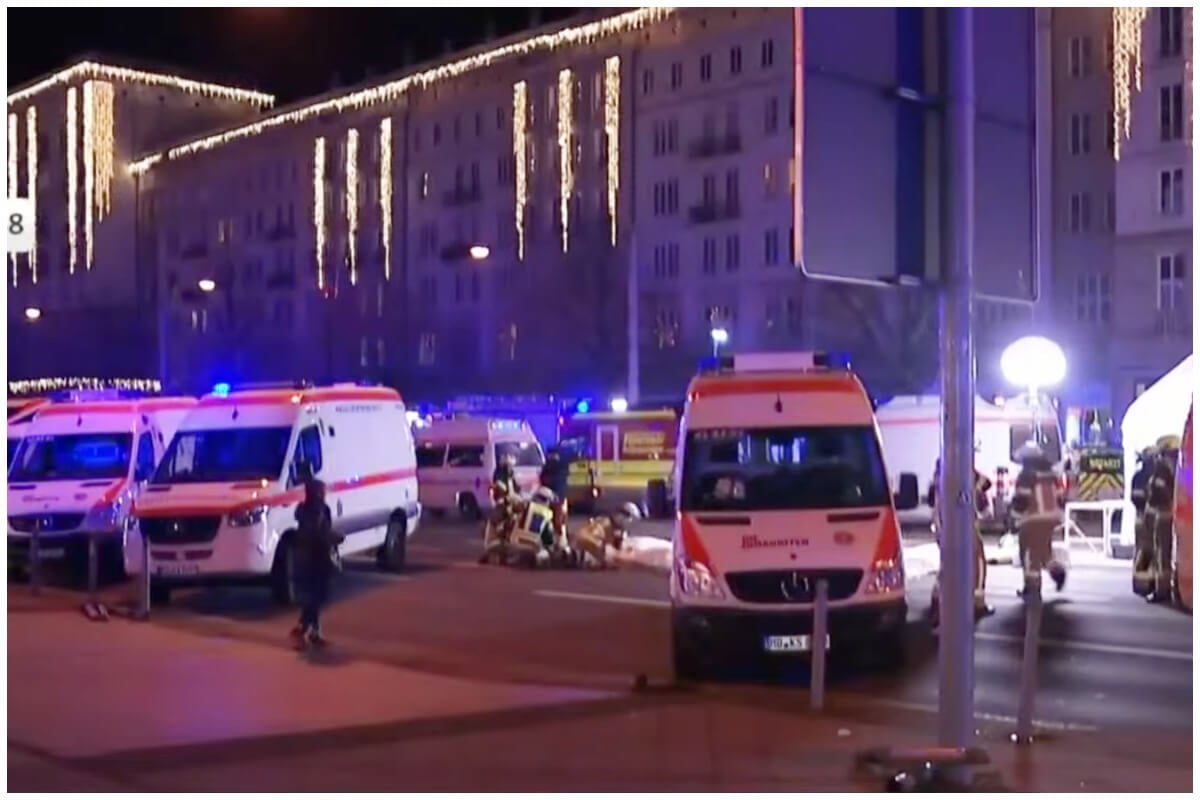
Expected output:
(618, 457)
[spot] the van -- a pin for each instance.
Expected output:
(615, 456)
(780, 484)
(221, 506)
(76, 472)
(456, 458)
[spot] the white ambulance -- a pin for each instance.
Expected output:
(781, 483)
(76, 472)
(20, 414)
(221, 507)
(456, 458)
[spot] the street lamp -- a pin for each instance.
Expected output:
(206, 285)
(33, 313)
(719, 336)
(619, 405)
(1033, 362)
(479, 252)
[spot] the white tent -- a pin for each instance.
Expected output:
(1160, 410)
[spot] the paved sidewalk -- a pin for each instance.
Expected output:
(137, 707)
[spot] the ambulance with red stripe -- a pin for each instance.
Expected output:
(76, 472)
(781, 483)
(221, 506)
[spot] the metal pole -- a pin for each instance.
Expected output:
(1029, 661)
(819, 634)
(956, 652)
(145, 609)
(93, 569)
(35, 558)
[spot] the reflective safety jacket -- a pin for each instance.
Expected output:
(1161, 490)
(1037, 495)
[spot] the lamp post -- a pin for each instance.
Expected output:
(720, 337)
(33, 313)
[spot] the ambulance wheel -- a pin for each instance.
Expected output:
(160, 595)
(468, 507)
(393, 553)
(283, 572)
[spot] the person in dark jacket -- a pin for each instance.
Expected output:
(554, 477)
(315, 552)
(1143, 551)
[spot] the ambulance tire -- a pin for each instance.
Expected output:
(283, 572)
(393, 553)
(468, 507)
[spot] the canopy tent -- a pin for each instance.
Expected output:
(1160, 410)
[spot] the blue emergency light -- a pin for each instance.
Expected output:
(583, 406)
(221, 389)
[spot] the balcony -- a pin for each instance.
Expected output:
(713, 146)
(461, 196)
(713, 211)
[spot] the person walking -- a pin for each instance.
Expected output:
(1037, 504)
(316, 560)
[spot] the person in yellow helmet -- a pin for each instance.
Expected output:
(1038, 501)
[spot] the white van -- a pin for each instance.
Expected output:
(780, 482)
(456, 459)
(221, 507)
(76, 471)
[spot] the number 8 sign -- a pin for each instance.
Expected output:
(18, 212)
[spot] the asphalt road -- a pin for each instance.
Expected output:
(1108, 659)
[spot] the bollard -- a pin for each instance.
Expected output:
(93, 569)
(819, 632)
(35, 558)
(144, 611)
(1029, 661)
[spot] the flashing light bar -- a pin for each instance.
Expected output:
(775, 362)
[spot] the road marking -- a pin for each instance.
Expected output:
(1093, 647)
(905, 705)
(612, 599)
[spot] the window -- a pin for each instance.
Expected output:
(525, 454)
(463, 456)
(672, 135)
(437, 134)
(647, 81)
(778, 468)
(308, 453)
(732, 195)
(1170, 113)
(705, 68)
(1170, 192)
(709, 188)
(735, 60)
(771, 115)
(771, 247)
(676, 75)
(1093, 299)
(659, 138)
(1081, 212)
(223, 455)
(770, 180)
(427, 349)
(666, 261)
(73, 457)
(430, 455)
(1110, 213)
(666, 328)
(1046, 436)
(1081, 134)
(709, 260)
(768, 53)
(733, 253)
(1170, 32)
(666, 198)
(1079, 56)
(1172, 289)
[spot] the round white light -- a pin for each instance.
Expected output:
(619, 405)
(206, 284)
(33, 313)
(719, 335)
(1033, 362)
(480, 251)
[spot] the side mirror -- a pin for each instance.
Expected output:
(907, 497)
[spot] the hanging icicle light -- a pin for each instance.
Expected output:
(102, 146)
(72, 178)
(352, 202)
(1127, 69)
(520, 157)
(319, 207)
(566, 152)
(612, 131)
(91, 69)
(31, 175)
(385, 193)
(89, 169)
(13, 145)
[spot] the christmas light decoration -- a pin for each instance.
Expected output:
(12, 180)
(585, 34)
(319, 207)
(102, 146)
(91, 69)
(89, 169)
(385, 193)
(566, 153)
(72, 178)
(31, 176)
(612, 131)
(520, 157)
(1127, 69)
(352, 202)
(38, 386)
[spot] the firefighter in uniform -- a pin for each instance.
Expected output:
(1037, 503)
(506, 498)
(1160, 516)
(1143, 554)
(593, 539)
(982, 486)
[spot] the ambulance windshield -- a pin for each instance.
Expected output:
(225, 455)
(72, 457)
(780, 469)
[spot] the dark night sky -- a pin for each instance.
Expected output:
(289, 52)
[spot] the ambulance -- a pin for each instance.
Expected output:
(1183, 520)
(457, 457)
(221, 507)
(76, 473)
(781, 483)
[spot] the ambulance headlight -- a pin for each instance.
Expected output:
(886, 576)
(103, 517)
(696, 580)
(247, 517)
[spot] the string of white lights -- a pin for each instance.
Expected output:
(72, 178)
(612, 131)
(102, 147)
(1127, 69)
(13, 147)
(31, 174)
(93, 70)
(520, 122)
(352, 202)
(89, 169)
(385, 193)
(566, 151)
(568, 37)
(319, 207)
(42, 385)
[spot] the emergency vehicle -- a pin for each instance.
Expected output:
(1183, 519)
(20, 414)
(457, 457)
(221, 506)
(782, 484)
(77, 471)
(614, 456)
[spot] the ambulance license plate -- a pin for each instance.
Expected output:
(797, 643)
(177, 570)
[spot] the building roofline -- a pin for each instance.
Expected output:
(550, 38)
(87, 67)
